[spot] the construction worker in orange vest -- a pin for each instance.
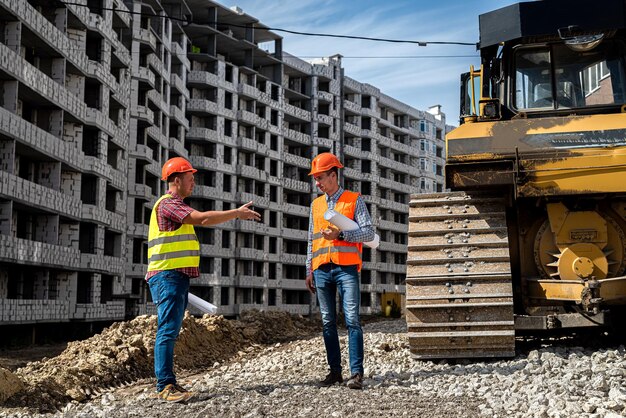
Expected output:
(334, 260)
(174, 258)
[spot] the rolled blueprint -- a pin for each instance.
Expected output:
(201, 304)
(346, 224)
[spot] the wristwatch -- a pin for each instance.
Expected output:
(341, 237)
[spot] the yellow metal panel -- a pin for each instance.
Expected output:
(571, 290)
(541, 126)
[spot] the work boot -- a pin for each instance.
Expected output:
(356, 381)
(332, 378)
(175, 393)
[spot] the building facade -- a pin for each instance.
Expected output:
(97, 95)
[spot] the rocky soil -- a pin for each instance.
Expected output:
(239, 369)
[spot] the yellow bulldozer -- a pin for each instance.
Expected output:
(532, 235)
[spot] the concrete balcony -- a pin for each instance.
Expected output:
(296, 185)
(396, 186)
(180, 54)
(297, 112)
(137, 230)
(250, 253)
(112, 310)
(102, 263)
(142, 152)
(299, 259)
(140, 190)
(157, 98)
(49, 33)
(390, 204)
(203, 162)
(98, 71)
(211, 135)
(212, 193)
(157, 64)
(24, 311)
(50, 90)
(293, 284)
(179, 116)
(146, 37)
(36, 196)
(323, 142)
(122, 53)
(254, 227)
(24, 132)
(248, 117)
(352, 129)
(122, 12)
(250, 197)
(294, 234)
(395, 165)
(252, 145)
(393, 226)
(325, 119)
(322, 71)
(203, 78)
(392, 268)
(143, 114)
(217, 251)
(325, 96)
(248, 91)
(292, 209)
(119, 179)
(296, 63)
(155, 133)
(357, 153)
(390, 246)
(23, 251)
(144, 74)
(253, 172)
(296, 160)
(299, 137)
(97, 166)
(352, 84)
(179, 85)
(96, 118)
(178, 147)
(352, 107)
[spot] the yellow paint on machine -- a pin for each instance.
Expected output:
(611, 290)
(562, 124)
(583, 171)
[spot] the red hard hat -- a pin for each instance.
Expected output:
(324, 162)
(176, 165)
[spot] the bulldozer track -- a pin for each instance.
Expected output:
(459, 297)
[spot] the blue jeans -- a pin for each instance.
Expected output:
(169, 293)
(330, 278)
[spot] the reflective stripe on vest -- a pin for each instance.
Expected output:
(338, 252)
(168, 250)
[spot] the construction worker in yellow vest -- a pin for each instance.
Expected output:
(174, 258)
(334, 260)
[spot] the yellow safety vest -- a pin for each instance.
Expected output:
(339, 252)
(169, 250)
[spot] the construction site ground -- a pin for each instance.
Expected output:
(269, 365)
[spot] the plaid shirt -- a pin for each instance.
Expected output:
(170, 215)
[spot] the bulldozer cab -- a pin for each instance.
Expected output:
(569, 64)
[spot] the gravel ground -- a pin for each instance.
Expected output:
(280, 380)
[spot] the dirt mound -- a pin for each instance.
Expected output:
(123, 353)
(10, 384)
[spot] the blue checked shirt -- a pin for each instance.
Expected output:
(365, 233)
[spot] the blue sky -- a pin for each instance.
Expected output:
(417, 82)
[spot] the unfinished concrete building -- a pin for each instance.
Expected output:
(97, 97)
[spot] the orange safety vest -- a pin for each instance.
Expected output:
(339, 252)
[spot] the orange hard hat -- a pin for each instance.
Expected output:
(176, 165)
(324, 162)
